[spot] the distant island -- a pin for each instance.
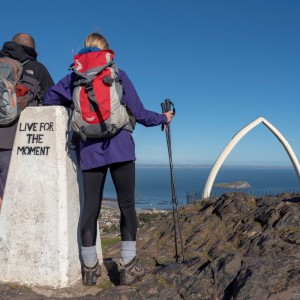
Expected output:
(233, 185)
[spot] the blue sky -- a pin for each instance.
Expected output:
(222, 63)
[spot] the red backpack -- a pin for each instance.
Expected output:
(97, 96)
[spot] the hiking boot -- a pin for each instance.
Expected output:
(131, 271)
(91, 274)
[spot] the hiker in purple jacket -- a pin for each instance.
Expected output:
(95, 156)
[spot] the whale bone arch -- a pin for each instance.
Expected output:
(236, 138)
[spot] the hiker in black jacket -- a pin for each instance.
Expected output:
(36, 77)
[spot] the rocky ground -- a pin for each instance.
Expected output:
(236, 247)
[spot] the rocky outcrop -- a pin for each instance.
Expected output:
(236, 247)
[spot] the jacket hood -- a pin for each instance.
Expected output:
(18, 52)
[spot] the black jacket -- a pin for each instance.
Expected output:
(33, 69)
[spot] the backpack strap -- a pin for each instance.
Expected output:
(35, 90)
(25, 62)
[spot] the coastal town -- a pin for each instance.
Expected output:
(109, 218)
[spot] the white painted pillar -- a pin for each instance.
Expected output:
(39, 219)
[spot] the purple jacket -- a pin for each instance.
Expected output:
(119, 148)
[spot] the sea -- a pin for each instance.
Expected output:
(154, 185)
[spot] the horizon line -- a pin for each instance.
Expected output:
(211, 165)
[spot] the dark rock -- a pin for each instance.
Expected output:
(236, 247)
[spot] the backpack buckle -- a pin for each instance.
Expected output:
(89, 86)
(108, 80)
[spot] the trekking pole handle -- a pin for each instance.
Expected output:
(167, 105)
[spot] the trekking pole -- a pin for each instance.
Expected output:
(167, 106)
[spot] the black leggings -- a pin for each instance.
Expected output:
(123, 176)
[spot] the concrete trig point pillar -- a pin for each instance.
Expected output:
(39, 236)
